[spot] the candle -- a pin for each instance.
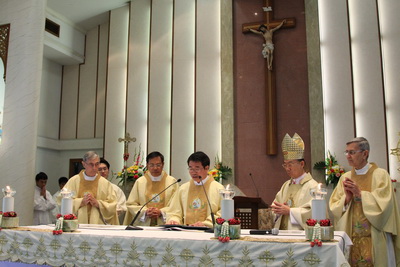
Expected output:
(66, 201)
(227, 203)
(66, 206)
(318, 204)
(8, 199)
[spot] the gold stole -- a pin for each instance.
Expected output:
(196, 206)
(88, 187)
(361, 228)
(291, 193)
(153, 188)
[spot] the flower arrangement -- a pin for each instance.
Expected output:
(220, 172)
(62, 225)
(313, 222)
(333, 170)
(233, 221)
(132, 173)
(227, 229)
(315, 234)
(8, 214)
(68, 216)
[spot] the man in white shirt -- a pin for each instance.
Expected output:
(43, 203)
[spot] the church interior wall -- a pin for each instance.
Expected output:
(21, 103)
(115, 117)
(182, 126)
(68, 46)
(358, 53)
(175, 116)
(50, 97)
(290, 68)
(159, 78)
(87, 101)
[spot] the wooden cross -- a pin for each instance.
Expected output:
(126, 141)
(271, 25)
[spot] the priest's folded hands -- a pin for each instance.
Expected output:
(153, 212)
(89, 199)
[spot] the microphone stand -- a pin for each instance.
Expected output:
(131, 226)
(211, 230)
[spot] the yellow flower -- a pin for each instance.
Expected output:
(135, 167)
(214, 172)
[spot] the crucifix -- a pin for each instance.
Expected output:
(266, 28)
(126, 141)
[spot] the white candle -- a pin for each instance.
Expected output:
(227, 203)
(66, 206)
(8, 204)
(318, 204)
(318, 209)
(227, 209)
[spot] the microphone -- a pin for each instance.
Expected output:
(131, 226)
(211, 230)
(251, 176)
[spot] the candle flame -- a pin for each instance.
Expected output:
(319, 187)
(228, 187)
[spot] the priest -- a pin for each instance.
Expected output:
(189, 205)
(94, 200)
(147, 187)
(292, 204)
(364, 206)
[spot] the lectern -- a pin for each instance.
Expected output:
(246, 209)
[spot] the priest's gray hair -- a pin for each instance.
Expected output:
(90, 155)
(362, 142)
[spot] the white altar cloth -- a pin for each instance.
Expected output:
(103, 245)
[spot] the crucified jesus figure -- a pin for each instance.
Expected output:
(268, 50)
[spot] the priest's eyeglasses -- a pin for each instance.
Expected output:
(158, 165)
(194, 169)
(352, 152)
(96, 164)
(289, 164)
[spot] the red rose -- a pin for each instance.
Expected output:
(220, 221)
(325, 222)
(10, 214)
(311, 222)
(70, 217)
(234, 221)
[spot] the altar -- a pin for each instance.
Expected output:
(106, 245)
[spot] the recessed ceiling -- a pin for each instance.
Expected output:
(87, 14)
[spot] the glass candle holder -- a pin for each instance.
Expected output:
(8, 199)
(227, 203)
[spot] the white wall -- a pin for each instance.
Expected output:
(21, 103)
(361, 85)
(163, 73)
